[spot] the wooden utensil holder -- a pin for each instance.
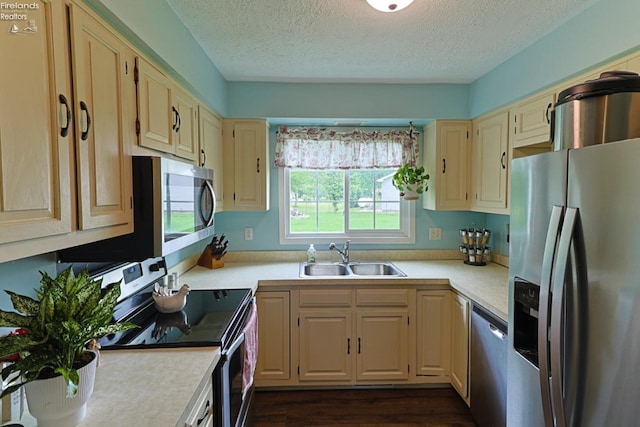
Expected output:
(208, 260)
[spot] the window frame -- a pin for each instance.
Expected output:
(406, 234)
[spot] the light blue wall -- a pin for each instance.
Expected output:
(266, 224)
(606, 30)
(155, 29)
(382, 101)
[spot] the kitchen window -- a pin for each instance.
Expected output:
(337, 186)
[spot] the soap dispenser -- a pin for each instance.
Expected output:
(311, 254)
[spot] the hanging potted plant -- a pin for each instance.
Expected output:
(48, 352)
(411, 181)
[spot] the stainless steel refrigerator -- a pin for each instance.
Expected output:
(574, 294)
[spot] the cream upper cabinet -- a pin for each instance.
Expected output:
(186, 130)
(210, 141)
(273, 362)
(246, 154)
(460, 345)
(36, 135)
(103, 86)
(433, 332)
(446, 159)
(531, 120)
(166, 113)
(490, 163)
(157, 118)
(66, 172)
(633, 64)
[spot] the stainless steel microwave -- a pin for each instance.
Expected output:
(174, 206)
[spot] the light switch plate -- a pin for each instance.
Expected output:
(248, 233)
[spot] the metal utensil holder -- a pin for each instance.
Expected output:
(474, 249)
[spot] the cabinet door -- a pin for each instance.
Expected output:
(210, 131)
(273, 336)
(382, 344)
(531, 120)
(633, 64)
(434, 331)
(186, 129)
(36, 182)
(491, 163)
(326, 346)
(460, 344)
(248, 182)
(103, 76)
(446, 154)
(157, 118)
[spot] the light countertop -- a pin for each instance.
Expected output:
(485, 285)
(146, 387)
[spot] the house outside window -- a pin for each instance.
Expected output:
(337, 186)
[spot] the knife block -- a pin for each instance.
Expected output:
(208, 260)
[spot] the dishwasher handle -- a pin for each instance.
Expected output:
(497, 332)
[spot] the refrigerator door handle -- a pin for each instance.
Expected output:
(570, 272)
(548, 259)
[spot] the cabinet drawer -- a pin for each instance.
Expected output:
(382, 297)
(202, 412)
(326, 297)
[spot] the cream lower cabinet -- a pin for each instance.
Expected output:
(201, 413)
(433, 333)
(246, 159)
(446, 158)
(490, 163)
(273, 364)
(460, 345)
(333, 348)
(65, 172)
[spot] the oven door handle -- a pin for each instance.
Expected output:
(235, 344)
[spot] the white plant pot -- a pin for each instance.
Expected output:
(48, 402)
(410, 195)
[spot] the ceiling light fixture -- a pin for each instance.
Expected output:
(389, 5)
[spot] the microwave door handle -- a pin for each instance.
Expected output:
(543, 314)
(208, 220)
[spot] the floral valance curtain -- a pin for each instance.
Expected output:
(321, 148)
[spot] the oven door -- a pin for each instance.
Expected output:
(232, 405)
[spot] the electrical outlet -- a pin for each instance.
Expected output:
(435, 233)
(248, 233)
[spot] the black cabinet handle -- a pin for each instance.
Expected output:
(64, 131)
(444, 165)
(258, 165)
(502, 160)
(348, 345)
(179, 122)
(359, 345)
(205, 413)
(175, 117)
(204, 157)
(85, 133)
(546, 113)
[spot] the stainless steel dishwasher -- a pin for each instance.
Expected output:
(488, 368)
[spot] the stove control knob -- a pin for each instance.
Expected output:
(157, 266)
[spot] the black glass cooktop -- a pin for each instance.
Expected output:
(209, 318)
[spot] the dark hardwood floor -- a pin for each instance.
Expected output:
(361, 407)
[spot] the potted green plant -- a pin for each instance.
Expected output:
(411, 181)
(49, 345)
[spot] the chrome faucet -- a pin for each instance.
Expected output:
(344, 253)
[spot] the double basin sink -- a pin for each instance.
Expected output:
(358, 269)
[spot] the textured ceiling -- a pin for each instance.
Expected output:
(431, 41)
